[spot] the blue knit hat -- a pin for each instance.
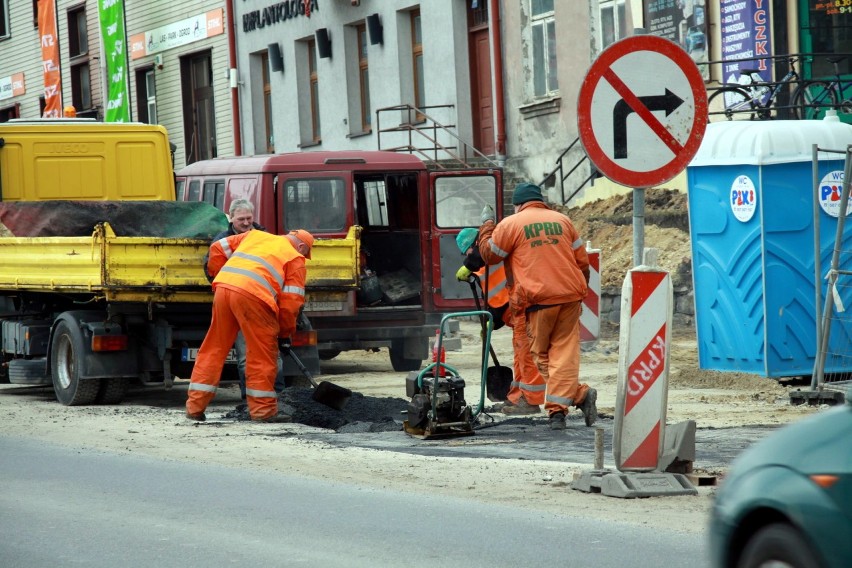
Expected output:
(526, 191)
(466, 238)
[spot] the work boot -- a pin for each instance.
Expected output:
(521, 407)
(557, 421)
(589, 408)
(197, 416)
(279, 418)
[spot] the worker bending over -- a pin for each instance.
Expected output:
(258, 288)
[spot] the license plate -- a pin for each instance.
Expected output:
(323, 306)
(190, 353)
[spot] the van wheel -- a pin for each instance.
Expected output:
(399, 362)
(66, 357)
(112, 391)
(28, 372)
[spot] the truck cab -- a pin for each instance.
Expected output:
(404, 215)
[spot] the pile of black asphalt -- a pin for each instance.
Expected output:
(374, 422)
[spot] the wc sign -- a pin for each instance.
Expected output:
(829, 191)
(743, 199)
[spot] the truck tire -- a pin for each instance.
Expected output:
(66, 357)
(399, 362)
(28, 372)
(112, 391)
(328, 354)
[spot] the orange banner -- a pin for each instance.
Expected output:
(50, 59)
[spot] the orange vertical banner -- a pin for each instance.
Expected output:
(50, 59)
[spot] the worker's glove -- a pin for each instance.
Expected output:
(487, 214)
(463, 273)
(284, 344)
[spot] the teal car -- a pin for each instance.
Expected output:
(787, 500)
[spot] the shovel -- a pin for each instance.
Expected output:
(332, 395)
(498, 379)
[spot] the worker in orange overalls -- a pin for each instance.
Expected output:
(550, 271)
(526, 393)
(259, 289)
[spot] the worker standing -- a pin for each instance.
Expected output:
(526, 392)
(259, 289)
(550, 271)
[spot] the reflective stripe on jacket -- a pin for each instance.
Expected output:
(497, 293)
(265, 266)
(545, 255)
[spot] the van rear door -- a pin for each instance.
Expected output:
(458, 197)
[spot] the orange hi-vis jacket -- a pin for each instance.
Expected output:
(545, 255)
(497, 294)
(265, 266)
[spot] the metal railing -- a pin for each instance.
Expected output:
(559, 175)
(421, 133)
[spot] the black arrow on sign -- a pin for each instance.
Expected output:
(668, 102)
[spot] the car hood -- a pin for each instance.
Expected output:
(817, 444)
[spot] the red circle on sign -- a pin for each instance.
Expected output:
(601, 66)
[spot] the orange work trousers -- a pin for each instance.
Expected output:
(554, 333)
(527, 380)
(234, 311)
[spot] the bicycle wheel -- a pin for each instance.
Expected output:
(730, 103)
(811, 100)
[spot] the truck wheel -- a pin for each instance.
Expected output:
(328, 354)
(112, 391)
(399, 362)
(66, 356)
(28, 372)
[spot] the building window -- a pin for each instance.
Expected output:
(78, 37)
(417, 60)
(543, 26)
(612, 22)
(35, 13)
(314, 81)
(364, 76)
(146, 95)
(81, 87)
(267, 103)
(5, 30)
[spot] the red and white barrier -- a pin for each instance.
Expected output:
(643, 369)
(590, 316)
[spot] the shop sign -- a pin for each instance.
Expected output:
(278, 12)
(177, 34)
(12, 86)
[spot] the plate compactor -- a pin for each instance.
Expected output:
(438, 408)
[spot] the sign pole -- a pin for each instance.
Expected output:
(638, 225)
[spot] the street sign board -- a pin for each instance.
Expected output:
(642, 111)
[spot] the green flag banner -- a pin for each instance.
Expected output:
(111, 14)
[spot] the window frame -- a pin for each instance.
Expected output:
(417, 71)
(364, 78)
(313, 78)
(81, 86)
(5, 24)
(547, 21)
(78, 32)
(267, 102)
(617, 33)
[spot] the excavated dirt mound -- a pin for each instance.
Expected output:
(608, 225)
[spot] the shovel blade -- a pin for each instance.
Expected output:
(498, 381)
(332, 395)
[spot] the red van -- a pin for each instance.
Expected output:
(402, 216)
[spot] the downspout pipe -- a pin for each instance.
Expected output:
(232, 74)
(497, 66)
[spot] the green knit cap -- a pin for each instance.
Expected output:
(526, 191)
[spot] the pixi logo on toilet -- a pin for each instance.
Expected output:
(743, 198)
(829, 192)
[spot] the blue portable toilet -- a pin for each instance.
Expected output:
(751, 223)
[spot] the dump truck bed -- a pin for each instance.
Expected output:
(144, 269)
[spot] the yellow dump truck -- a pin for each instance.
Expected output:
(90, 305)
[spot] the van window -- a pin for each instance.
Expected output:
(179, 187)
(376, 196)
(194, 190)
(459, 199)
(214, 193)
(317, 205)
